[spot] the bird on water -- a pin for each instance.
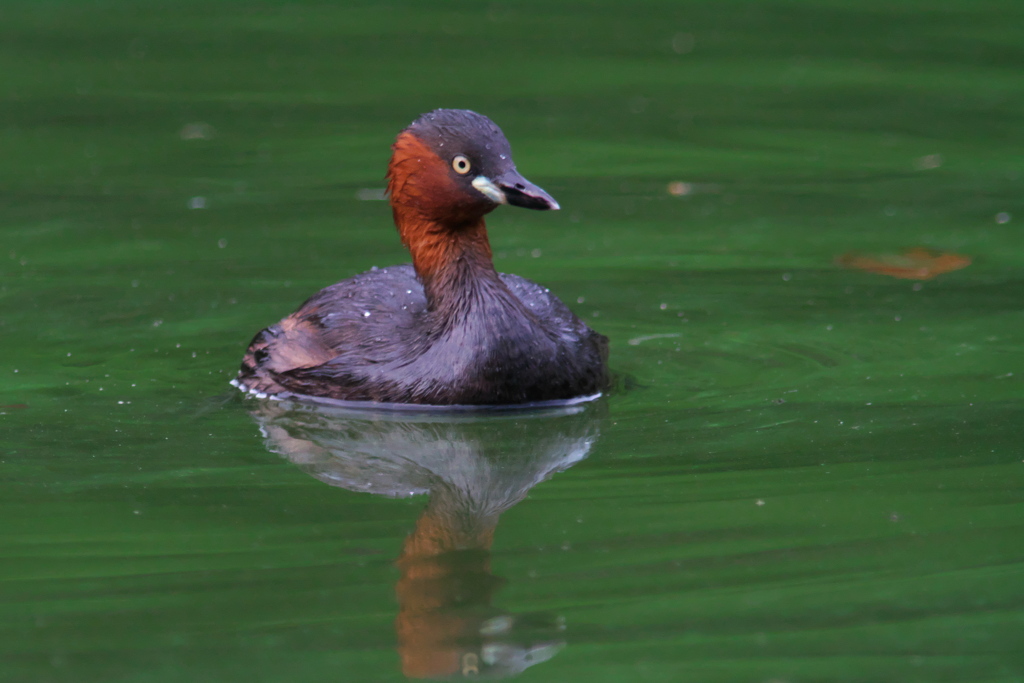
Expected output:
(447, 329)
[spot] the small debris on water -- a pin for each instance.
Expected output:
(918, 263)
(636, 341)
(371, 194)
(928, 162)
(197, 130)
(678, 188)
(683, 43)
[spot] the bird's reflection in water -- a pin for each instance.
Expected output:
(473, 468)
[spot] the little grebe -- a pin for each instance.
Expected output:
(449, 329)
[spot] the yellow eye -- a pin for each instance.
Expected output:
(461, 165)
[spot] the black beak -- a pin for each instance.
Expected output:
(521, 192)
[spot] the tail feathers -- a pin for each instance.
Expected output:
(253, 375)
(257, 352)
(279, 354)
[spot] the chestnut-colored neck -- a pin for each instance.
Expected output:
(449, 260)
(441, 225)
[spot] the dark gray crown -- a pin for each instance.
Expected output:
(450, 132)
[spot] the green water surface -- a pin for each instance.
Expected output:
(808, 473)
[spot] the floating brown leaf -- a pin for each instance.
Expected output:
(914, 264)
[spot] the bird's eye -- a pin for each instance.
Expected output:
(461, 165)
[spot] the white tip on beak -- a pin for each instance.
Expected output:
(488, 189)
